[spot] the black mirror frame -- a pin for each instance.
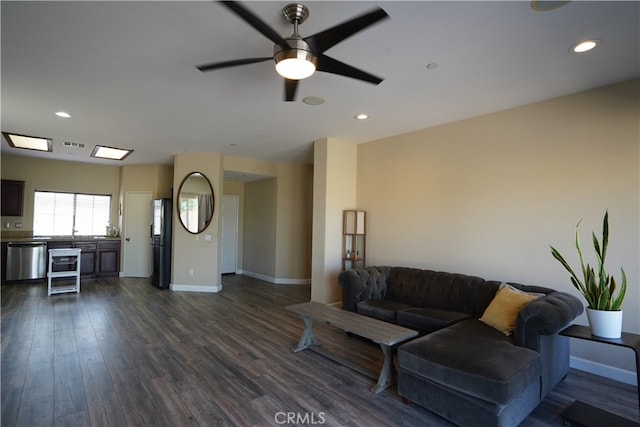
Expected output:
(213, 202)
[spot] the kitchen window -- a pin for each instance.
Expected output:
(70, 214)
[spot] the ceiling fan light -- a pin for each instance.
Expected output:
(295, 61)
(295, 69)
(295, 64)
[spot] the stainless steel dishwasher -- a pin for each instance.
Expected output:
(26, 260)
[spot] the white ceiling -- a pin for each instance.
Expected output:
(126, 72)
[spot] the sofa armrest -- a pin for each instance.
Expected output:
(360, 284)
(546, 315)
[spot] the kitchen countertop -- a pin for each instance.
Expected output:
(58, 239)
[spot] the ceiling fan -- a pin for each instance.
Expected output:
(297, 57)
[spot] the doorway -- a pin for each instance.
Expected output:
(229, 234)
(137, 243)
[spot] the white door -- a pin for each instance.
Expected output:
(229, 234)
(137, 241)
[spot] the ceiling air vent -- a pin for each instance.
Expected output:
(73, 144)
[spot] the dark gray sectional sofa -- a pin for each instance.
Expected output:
(461, 368)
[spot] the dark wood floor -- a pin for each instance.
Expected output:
(123, 353)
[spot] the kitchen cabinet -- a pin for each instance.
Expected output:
(3, 260)
(12, 197)
(108, 259)
(98, 258)
(87, 258)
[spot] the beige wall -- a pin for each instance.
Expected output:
(288, 260)
(250, 166)
(334, 190)
(232, 188)
(157, 179)
(260, 227)
(487, 196)
(195, 257)
(293, 222)
(56, 175)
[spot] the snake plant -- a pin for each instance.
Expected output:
(598, 289)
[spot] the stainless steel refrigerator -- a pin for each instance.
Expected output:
(161, 242)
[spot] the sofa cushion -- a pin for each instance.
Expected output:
(473, 358)
(503, 310)
(427, 319)
(435, 289)
(381, 309)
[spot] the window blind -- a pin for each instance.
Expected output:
(70, 214)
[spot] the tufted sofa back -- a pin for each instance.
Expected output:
(416, 287)
(436, 289)
(363, 284)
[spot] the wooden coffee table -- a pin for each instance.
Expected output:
(387, 335)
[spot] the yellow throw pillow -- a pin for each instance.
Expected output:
(503, 310)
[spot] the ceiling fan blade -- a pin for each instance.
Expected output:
(235, 62)
(333, 66)
(290, 87)
(256, 22)
(323, 40)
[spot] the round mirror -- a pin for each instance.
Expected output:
(195, 202)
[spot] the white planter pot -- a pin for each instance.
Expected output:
(605, 324)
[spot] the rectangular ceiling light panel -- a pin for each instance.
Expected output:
(28, 142)
(102, 152)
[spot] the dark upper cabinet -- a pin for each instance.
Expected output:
(12, 197)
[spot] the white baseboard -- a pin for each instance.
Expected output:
(617, 374)
(195, 288)
(275, 280)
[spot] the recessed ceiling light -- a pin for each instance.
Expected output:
(28, 142)
(63, 114)
(584, 46)
(362, 116)
(102, 152)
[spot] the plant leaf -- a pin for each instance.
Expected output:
(579, 286)
(593, 293)
(584, 266)
(596, 246)
(605, 235)
(575, 279)
(617, 302)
